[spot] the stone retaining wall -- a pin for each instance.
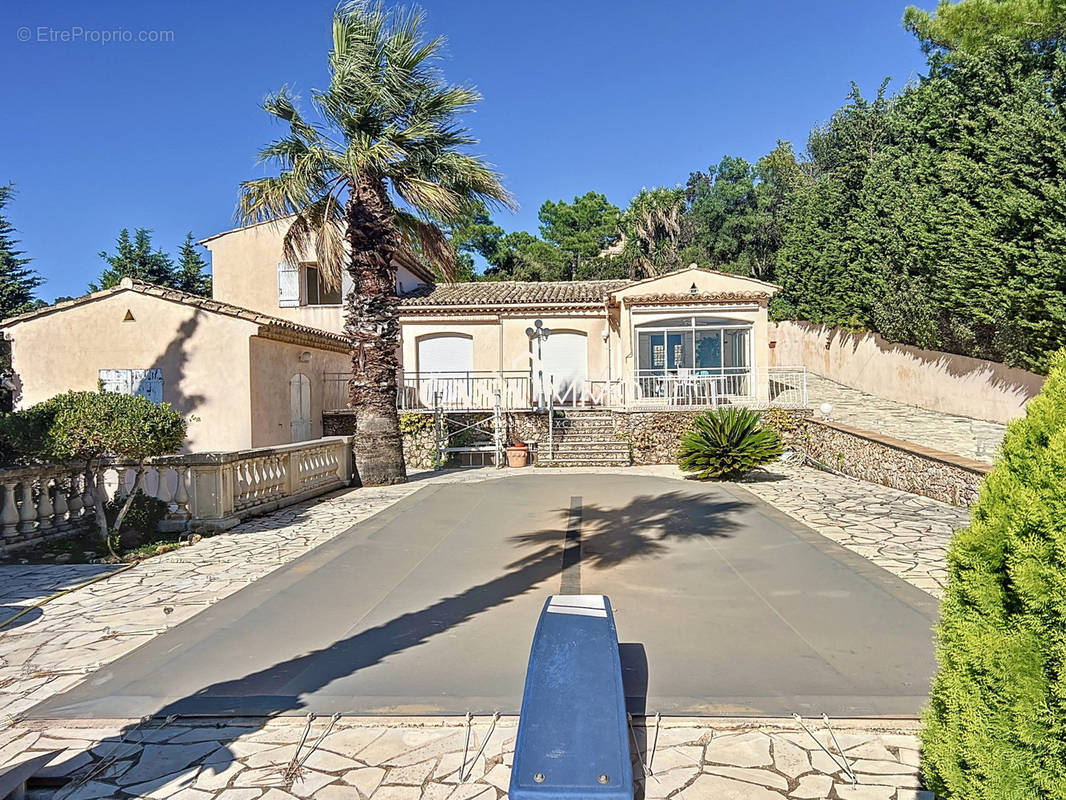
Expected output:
(895, 463)
(654, 436)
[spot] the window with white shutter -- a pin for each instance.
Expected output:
(142, 382)
(288, 285)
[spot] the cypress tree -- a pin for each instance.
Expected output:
(996, 725)
(17, 281)
(135, 259)
(191, 274)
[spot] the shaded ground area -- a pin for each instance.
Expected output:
(972, 438)
(429, 607)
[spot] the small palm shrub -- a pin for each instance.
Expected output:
(727, 443)
(996, 723)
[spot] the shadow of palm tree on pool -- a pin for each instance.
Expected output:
(642, 528)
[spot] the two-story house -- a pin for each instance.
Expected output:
(259, 362)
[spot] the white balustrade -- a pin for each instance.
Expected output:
(204, 490)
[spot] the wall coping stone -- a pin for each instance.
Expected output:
(961, 462)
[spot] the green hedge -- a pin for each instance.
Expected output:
(996, 726)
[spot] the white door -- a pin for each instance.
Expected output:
(445, 364)
(565, 365)
(300, 405)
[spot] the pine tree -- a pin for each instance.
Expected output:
(191, 274)
(17, 281)
(136, 259)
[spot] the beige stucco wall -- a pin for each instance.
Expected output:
(925, 378)
(500, 343)
(203, 356)
(705, 280)
(244, 269)
(273, 365)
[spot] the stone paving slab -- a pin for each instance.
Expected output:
(434, 759)
(972, 438)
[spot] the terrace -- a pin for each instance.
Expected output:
(680, 388)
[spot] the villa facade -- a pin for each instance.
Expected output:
(260, 362)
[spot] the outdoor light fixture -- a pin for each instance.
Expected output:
(539, 334)
(826, 409)
(538, 331)
(305, 356)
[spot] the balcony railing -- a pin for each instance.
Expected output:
(783, 387)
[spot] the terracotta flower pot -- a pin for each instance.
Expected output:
(517, 456)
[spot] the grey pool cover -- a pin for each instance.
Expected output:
(723, 605)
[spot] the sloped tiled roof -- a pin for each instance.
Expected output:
(695, 297)
(511, 293)
(312, 335)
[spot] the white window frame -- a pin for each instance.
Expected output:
(692, 328)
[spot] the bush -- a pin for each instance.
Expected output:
(144, 515)
(727, 443)
(996, 724)
(87, 427)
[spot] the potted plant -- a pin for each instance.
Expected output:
(518, 455)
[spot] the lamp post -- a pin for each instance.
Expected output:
(539, 334)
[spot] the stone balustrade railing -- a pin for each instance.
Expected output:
(204, 491)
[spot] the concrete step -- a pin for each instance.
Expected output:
(589, 439)
(584, 462)
(578, 455)
(588, 447)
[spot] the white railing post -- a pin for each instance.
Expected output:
(27, 508)
(9, 514)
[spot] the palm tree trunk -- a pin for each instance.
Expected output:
(373, 327)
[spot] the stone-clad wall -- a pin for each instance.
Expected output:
(654, 436)
(895, 463)
(419, 439)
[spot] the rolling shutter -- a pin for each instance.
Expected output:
(564, 362)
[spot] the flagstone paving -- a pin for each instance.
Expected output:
(963, 436)
(432, 759)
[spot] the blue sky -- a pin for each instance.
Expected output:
(604, 95)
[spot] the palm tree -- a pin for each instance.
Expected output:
(651, 227)
(383, 157)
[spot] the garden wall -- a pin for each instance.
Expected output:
(895, 463)
(654, 437)
(928, 379)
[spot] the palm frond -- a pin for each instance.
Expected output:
(388, 117)
(427, 240)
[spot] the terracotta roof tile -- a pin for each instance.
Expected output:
(697, 297)
(511, 293)
(206, 303)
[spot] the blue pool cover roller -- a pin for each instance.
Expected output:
(572, 736)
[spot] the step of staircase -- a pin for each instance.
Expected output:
(583, 462)
(569, 449)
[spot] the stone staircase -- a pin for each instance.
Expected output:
(584, 439)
